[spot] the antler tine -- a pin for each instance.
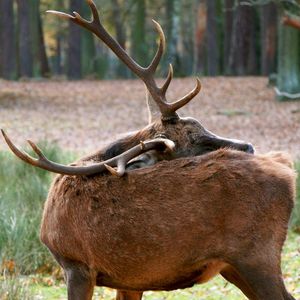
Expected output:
(21, 154)
(187, 98)
(36, 149)
(94, 10)
(165, 86)
(113, 171)
(160, 50)
(119, 161)
(121, 167)
(77, 18)
(60, 14)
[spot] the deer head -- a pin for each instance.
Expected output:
(190, 138)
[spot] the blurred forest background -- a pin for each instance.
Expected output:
(204, 37)
(207, 37)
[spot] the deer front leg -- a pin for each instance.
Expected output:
(80, 286)
(129, 295)
(231, 275)
(265, 281)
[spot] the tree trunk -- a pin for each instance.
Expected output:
(212, 42)
(7, 36)
(122, 70)
(139, 47)
(34, 36)
(228, 23)
(88, 48)
(288, 80)
(58, 55)
(242, 58)
(172, 31)
(25, 42)
(253, 58)
(200, 40)
(74, 44)
(185, 40)
(43, 59)
(268, 21)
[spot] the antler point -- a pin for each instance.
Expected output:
(169, 144)
(199, 85)
(60, 14)
(142, 144)
(111, 170)
(5, 135)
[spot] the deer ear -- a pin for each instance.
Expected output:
(153, 110)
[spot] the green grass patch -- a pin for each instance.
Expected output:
(23, 192)
(295, 222)
(13, 287)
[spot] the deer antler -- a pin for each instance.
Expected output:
(120, 161)
(168, 110)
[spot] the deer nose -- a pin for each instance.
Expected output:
(248, 148)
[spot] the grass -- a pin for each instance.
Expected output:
(13, 287)
(23, 192)
(295, 222)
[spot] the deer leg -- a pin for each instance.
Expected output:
(79, 278)
(286, 294)
(265, 282)
(129, 295)
(79, 283)
(231, 275)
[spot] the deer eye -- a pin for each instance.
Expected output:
(189, 132)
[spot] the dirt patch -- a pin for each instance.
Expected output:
(85, 115)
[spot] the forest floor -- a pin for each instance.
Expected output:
(85, 115)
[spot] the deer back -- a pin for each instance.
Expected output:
(172, 216)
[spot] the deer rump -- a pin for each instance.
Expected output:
(173, 224)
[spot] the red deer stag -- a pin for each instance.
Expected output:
(173, 225)
(189, 136)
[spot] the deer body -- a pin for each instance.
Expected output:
(174, 224)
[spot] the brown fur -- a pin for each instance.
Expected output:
(173, 225)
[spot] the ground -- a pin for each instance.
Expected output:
(85, 115)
